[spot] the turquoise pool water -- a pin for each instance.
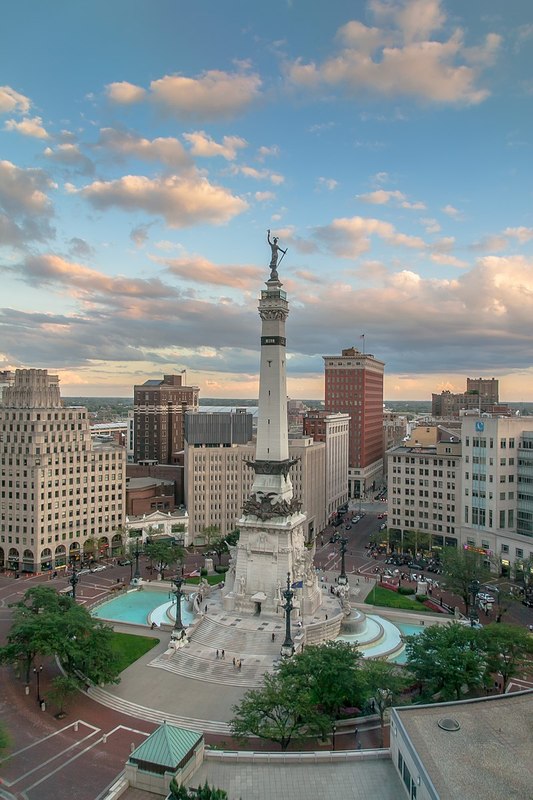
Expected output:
(407, 630)
(142, 608)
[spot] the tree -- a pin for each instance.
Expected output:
(508, 648)
(164, 554)
(385, 682)
(205, 792)
(446, 659)
(460, 568)
(331, 675)
(46, 623)
(219, 546)
(277, 712)
(210, 533)
(63, 687)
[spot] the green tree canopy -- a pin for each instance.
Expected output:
(277, 712)
(331, 675)
(508, 649)
(385, 683)
(164, 554)
(178, 791)
(447, 659)
(460, 568)
(46, 623)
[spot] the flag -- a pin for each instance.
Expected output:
(297, 585)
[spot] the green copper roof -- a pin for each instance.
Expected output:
(167, 746)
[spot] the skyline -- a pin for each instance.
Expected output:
(145, 152)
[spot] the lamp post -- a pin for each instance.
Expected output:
(287, 648)
(333, 732)
(37, 672)
(342, 580)
(473, 613)
(137, 553)
(177, 631)
(73, 580)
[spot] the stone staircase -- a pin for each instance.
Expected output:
(153, 715)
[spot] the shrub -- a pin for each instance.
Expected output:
(421, 598)
(203, 572)
(221, 570)
(406, 590)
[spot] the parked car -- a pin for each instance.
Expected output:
(124, 562)
(98, 569)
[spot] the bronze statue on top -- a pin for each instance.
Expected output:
(274, 259)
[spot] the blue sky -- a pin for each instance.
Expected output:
(145, 148)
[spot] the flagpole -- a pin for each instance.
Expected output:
(363, 338)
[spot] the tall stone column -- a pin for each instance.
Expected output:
(272, 539)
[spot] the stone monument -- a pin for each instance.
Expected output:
(272, 529)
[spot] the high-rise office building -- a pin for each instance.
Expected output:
(354, 386)
(159, 408)
(334, 431)
(59, 490)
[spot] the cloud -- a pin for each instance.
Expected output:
(448, 260)
(452, 212)
(28, 127)
(327, 183)
(402, 57)
(431, 225)
(139, 234)
(69, 155)
(350, 238)
(267, 152)
(168, 151)
(125, 93)
(200, 270)
(521, 233)
(79, 248)
(212, 95)
(258, 174)
(384, 197)
(264, 197)
(11, 101)
(180, 201)
(204, 146)
(25, 208)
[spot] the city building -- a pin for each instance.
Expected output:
(424, 487)
(481, 395)
(334, 431)
(354, 386)
(159, 408)
(111, 431)
(497, 495)
(159, 525)
(144, 495)
(60, 491)
(6, 379)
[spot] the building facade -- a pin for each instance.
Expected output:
(334, 431)
(482, 395)
(59, 490)
(159, 408)
(424, 490)
(354, 386)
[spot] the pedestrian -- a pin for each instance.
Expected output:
(273, 636)
(223, 654)
(356, 732)
(217, 653)
(234, 662)
(326, 616)
(205, 609)
(240, 664)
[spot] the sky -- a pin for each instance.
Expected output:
(147, 147)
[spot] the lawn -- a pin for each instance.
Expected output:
(389, 599)
(211, 579)
(129, 648)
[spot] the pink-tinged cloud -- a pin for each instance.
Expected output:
(382, 197)
(213, 95)
(258, 174)
(125, 93)
(521, 233)
(69, 155)
(204, 146)
(181, 201)
(28, 127)
(200, 270)
(23, 191)
(350, 238)
(400, 58)
(11, 101)
(125, 144)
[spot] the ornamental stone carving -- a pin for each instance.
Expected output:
(271, 313)
(262, 507)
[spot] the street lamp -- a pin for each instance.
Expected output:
(342, 580)
(473, 613)
(137, 553)
(333, 732)
(177, 631)
(73, 580)
(287, 648)
(37, 672)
